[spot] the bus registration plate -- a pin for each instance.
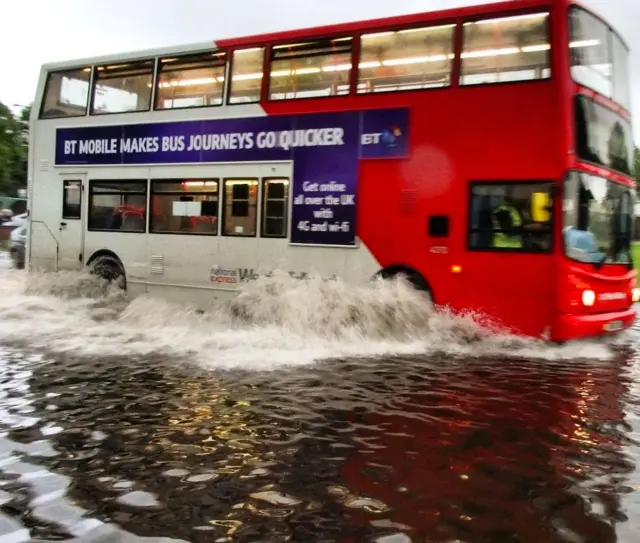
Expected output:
(613, 326)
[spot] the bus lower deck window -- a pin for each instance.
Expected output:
(240, 207)
(188, 206)
(512, 216)
(118, 206)
(275, 208)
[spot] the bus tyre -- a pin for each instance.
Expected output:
(109, 268)
(412, 277)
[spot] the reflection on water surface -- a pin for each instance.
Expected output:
(348, 450)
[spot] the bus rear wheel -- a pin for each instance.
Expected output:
(109, 268)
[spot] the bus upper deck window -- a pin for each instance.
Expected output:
(246, 75)
(191, 81)
(506, 49)
(409, 59)
(310, 69)
(66, 94)
(122, 88)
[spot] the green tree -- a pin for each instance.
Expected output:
(23, 119)
(13, 150)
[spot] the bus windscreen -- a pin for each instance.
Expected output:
(597, 220)
(603, 137)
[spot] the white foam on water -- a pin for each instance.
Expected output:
(273, 322)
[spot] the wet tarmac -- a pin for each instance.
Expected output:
(393, 448)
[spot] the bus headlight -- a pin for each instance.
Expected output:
(635, 295)
(588, 297)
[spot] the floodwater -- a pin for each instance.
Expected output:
(308, 412)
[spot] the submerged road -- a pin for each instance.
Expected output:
(521, 444)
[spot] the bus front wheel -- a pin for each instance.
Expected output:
(412, 277)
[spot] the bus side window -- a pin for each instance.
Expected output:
(117, 205)
(122, 88)
(184, 206)
(310, 69)
(522, 45)
(66, 94)
(515, 216)
(275, 208)
(246, 76)
(240, 207)
(407, 59)
(190, 81)
(71, 199)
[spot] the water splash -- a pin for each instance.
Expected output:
(274, 321)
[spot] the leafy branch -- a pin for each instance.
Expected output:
(14, 139)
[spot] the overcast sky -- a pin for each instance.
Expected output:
(39, 31)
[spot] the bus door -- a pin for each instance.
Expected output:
(71, 224)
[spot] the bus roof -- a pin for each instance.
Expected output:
(128, 56)
(468, 12)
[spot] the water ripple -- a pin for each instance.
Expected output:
(490, 450)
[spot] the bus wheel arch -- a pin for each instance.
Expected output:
(413, 276)
(107, 264)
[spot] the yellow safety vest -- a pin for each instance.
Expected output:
(502, 239)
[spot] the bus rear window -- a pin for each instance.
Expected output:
(191, 81)
(414, 58)
(310, 69)
(506, 49)
(66, 94)
(122, 88)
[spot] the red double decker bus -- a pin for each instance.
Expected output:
(517, 196)
(485, 153)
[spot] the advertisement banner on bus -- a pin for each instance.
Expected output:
(325, 150)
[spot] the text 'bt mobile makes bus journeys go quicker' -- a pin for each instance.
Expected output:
(464, 149)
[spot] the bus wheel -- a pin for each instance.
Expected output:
(109, 268)
(412, 277)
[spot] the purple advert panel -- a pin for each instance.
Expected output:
(325, 149)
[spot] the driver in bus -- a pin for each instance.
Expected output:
(513, 222)
(508, 220)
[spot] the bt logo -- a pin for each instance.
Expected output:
(388, 137)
